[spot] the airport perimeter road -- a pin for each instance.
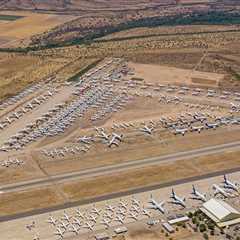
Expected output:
(93, 172)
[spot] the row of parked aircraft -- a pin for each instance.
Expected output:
(126, 211)
(19, 113)
(11, 162)
(13, 100)
(184, 90)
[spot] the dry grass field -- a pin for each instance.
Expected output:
(79, 190)
(18, 33)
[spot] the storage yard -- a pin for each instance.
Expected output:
(84, 159)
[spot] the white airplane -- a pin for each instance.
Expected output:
(228, 184)
(219, 190)
(197, 129)
(88, 226)
(156, 205)
(120, 219)
(74, 229)
(118, 137)
(123, 204)
(52, 220)
(197, 195)
(212, 125)
(113, 142)
(77, 222)
(79, 214)
(95, 210)
(135, 201)
(59, 232)
(103, 135)
(110, 208)
(64, 225)
(65, 217)
(106, 222)
(133, 216)
(146, 213)
(92, 218)
(180, 131)
(147, 130)
(85, 140)
(177, 199)
(31, 226)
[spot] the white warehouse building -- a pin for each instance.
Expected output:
(220, 212)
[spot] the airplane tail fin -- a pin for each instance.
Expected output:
(193, 189)
(225, 178)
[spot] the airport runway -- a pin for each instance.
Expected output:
(94, 172)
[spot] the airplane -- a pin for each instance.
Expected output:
(85, 139)
(197, 129)
(79, 213)
(146, 213)
(178, 200)
(95, 211)
(89, 226)
(156, 205)
(135, 208)
(228, 184)
(198, 195)
(64, 225)
(113, 142)
(110, 208)
(212, 125)
(106, 222)
(123, 204)
(52, 220)
(219, 190)
(31, 226)
(135, 201)
(75, 229)
(59, 232)
(92, 218)
(117, 136)
(77, 222)
(147, 130)
(120, 219)
(181, 131)
(103, 135)
(133, 216)
(66, 217)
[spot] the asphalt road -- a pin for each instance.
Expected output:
(120, 167)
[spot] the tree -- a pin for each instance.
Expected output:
(202, 227)
(205, 236)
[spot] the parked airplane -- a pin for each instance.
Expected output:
(89, 226)
(106, 222)
(197, 129)
(228, 184)
(197, 195)
(212, 125)
(156, 205)
(85, 140)
(59, 232)
(120, 219)
(219, 190)
(52, 220)
(180, 131)
(66, 217)
(147, 130)
(177, 199)
(96, 211)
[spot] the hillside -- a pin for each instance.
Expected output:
(73, 5)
